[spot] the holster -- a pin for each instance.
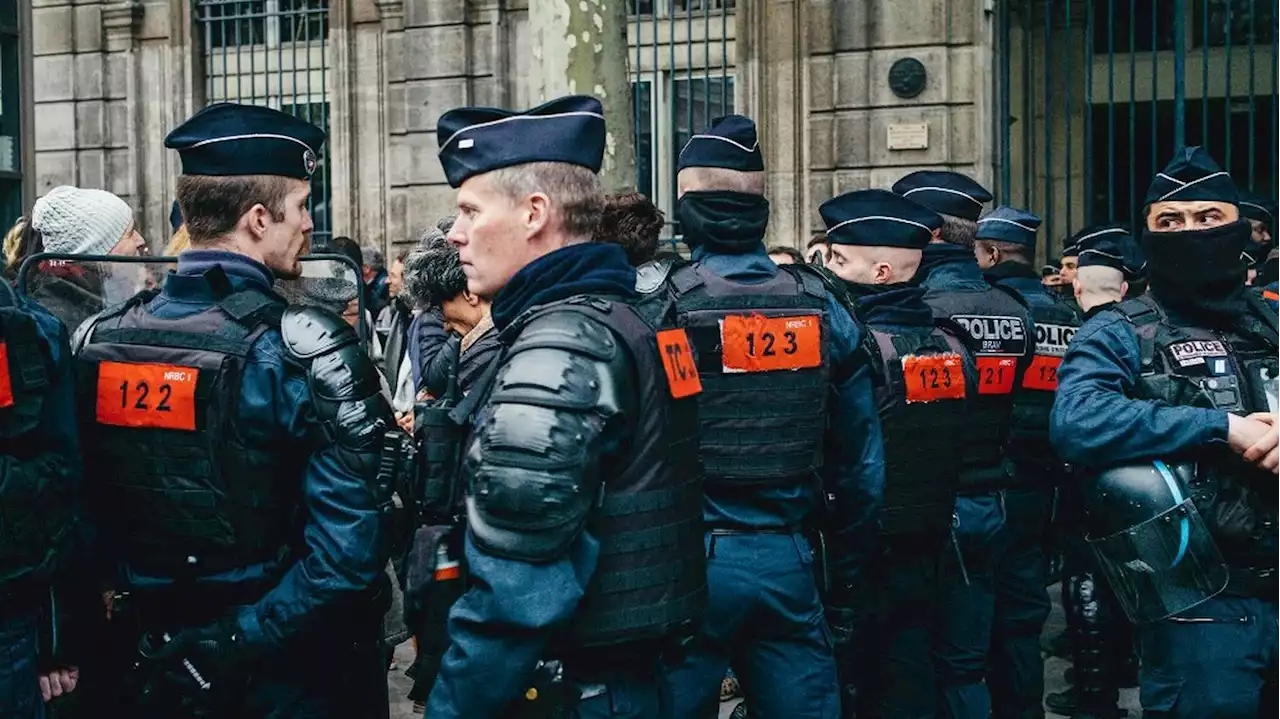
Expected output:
(549, 695)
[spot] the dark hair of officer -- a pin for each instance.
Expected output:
(212, 205)
(793, 253)
(631, 220)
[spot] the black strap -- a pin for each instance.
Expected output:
(685, 278)
(1269, 317)
(172, 338)
(650, 501)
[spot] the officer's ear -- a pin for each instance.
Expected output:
(536, 210)
(256, 221)
(1124, 289)
(883, 273)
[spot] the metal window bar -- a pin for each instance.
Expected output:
(252, 40)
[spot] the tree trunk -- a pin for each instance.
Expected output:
(580, 48)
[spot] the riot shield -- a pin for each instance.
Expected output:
(76, 287)
(1162, 566)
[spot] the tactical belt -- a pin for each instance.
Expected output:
(1255, 583)
(727, 532)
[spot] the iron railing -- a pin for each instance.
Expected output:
(273, 53)
(1095, 96)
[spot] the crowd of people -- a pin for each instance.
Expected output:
(590, 476)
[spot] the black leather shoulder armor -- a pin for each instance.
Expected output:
(560, 403)
(311, 331)
(652, 275)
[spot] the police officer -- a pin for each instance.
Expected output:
(40, 500)
(924, 380)
(1186, 374)
(583, 541)
(1005, 250)
(233, 447)
(786, 401)
(1001, 336)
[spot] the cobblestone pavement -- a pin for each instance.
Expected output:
(402, 708)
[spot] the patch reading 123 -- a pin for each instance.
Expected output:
(158, 396)
(933, 378)
(755, 343)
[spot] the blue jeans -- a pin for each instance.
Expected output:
(19, 676)
(1015, 673)
(764, 616)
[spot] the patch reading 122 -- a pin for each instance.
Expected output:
(755, 343)
(159, 396)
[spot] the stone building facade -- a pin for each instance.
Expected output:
(109, 78)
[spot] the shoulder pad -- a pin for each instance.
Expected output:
(1138, 310)
(815, 281)
(652, 275)
(572, 328)
(311, 331)
(80, 337)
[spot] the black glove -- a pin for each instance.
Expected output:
(195, 669)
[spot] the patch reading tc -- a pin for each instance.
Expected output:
(933, 378)
(159, 396)
(678, 361)
(995, 335)
(755, 343)
(1186, 354)
(6, 385)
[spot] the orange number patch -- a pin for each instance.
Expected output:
(161, 396)
(1042, 374)
(932, 378)
(755, 343)
(6, 386)
(677, 360)
(995, 374)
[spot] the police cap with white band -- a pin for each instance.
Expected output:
(1192, 176)
(476, 140)
(878, 218)
(1009, 224)
(226, 139)
(1257, 207)
(947, 193)
(1088, 236)
(730, 143)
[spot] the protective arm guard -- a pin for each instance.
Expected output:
(557, 408)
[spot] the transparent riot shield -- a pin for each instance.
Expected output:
(76, 287)
(1163, 566)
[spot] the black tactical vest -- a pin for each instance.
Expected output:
(998, 330)
(36, 507)
(1029, 444)
(650, 580)
(1234, 370)
(924, 384)
(763, 354)
(181, 492)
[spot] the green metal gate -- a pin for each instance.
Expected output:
(682, 69)
(273, 53)
(1095, 96)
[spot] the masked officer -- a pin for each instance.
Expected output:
(583, 541)
(1001, 337)
(40, 502)
(234, 450)
(924, 380)
(786, 409)
(1005, 250)
(1187, 373)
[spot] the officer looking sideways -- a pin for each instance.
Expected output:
(1187, 373)
(1001, 338)
(41, 507)
(234, 448)
(786, 401)
(583, 542)
(925, 379)
(1005, 250)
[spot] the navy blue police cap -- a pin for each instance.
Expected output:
(476, 140)
(230, 139)
(878, 218)
(730, 143)
(1257, 207)
(1121, 253)
(947, 193)
(1009, 224)
(175, 216)
(1091, 235)
(1192, 176)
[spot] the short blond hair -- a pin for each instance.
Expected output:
(576, 194)
(1098, 284)
(694, 179)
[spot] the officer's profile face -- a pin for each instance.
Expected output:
(854, 264)
(286, 239)
(1260, 234)
(1182, 216)
(1067, 270)
(492, 235)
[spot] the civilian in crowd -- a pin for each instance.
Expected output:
(376, 289)
(631, 220)
(427, 334)
(12, 244)
(818, 251)
(784, 255)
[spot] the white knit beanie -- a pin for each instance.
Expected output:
(80, 222)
